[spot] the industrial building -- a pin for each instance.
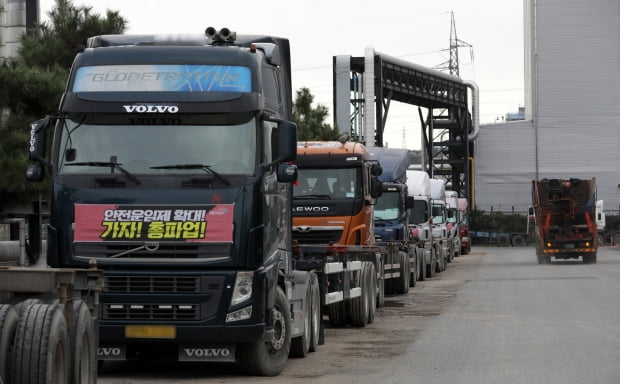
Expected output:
(572, 108)
(15, 16)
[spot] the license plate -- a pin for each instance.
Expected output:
(150, 331)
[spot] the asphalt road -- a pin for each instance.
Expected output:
(495, 316)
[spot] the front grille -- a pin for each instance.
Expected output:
(122, 311)
(165, 250)
(122, 292)
(154, 284)
(317, 237)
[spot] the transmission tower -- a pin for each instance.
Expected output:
(452, 65)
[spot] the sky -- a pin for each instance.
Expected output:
(412, 30)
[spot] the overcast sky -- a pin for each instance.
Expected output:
(413, 30)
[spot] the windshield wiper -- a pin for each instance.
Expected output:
(204, 167)
(109, 164)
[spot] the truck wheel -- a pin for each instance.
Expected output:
(430, 268)
(83, 345)
(413, 274)
(402, 283)
(8, 326)
(268, 357)
(372, 292)
(616, 239)
(518, 241)
(41, 353)
(358, 307)
(421, 267)
(300, 345)
(380, 292)
(503, 240)
(589, 258)
(336, 314)
(316, 318)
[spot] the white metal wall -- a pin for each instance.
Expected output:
(572, 81)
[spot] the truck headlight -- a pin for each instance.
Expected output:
(243, 288)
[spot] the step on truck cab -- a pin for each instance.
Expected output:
(171, 169)
(391, 218)
(565, 222)
(419, 187)
(333, 203)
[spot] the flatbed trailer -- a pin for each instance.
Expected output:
(47, 317)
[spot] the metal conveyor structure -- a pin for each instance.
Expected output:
(364, 88)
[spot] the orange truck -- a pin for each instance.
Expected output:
(565, 219)
(333, 202)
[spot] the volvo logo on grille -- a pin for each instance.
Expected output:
(151, 246)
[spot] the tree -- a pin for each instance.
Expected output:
(309, 120)
(33, 83)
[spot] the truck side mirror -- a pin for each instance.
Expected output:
(375, 168)
(286, 142)
(36, 144)
(35, 172)
(287, 173)
(376, 187)
(409, 202)
(36, 149)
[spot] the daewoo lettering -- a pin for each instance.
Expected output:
(142, 108)
(311, 209)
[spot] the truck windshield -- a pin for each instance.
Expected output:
(419, 213)
(332, 183)
(225, 143)
(387, 207)
(438, 214)
(453, 217)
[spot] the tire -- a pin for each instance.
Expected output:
(380, 292)
(402, 283)
(421, 267)
(268, 358)
(518, 241)
(42, 352)
(300, 345)
(358, 306)
(372, 292)
(389, 285)
(336, 314)
(430, 268)
(8, 327)
(589, 258)
(316, 318)
(601, 240)
(503, 240)
(413, 274)
(83, 345)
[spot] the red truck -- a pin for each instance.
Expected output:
(565, 219)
